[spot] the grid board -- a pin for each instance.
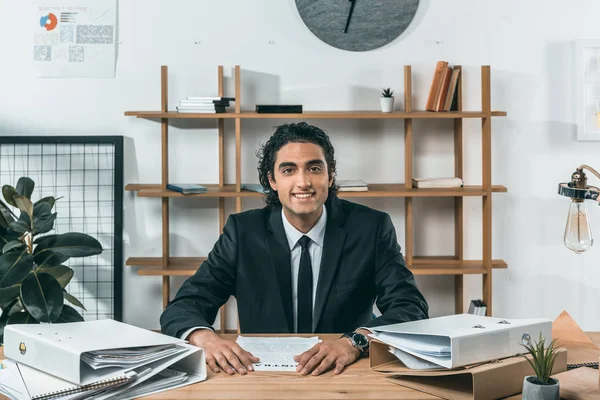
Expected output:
(87, 172)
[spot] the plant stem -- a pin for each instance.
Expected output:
(29, 242)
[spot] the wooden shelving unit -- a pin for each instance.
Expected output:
(319, 115)
(375, 190)
(455, 264)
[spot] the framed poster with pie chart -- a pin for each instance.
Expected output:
(357, 25)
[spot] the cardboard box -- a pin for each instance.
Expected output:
(490, 380)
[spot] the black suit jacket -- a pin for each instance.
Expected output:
(361, 264)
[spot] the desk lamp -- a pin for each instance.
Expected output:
(578, 232)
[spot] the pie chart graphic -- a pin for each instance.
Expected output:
(48, 21)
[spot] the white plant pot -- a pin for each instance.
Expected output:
(387, 104)
(534, 391)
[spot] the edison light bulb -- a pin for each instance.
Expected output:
(578, 232)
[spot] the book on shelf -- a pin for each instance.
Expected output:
(440, 100)
(451, 100)
(352, 185)
(477, 307)
(279, 108)
(201, 106)
(436, 86)
(423, 183)
(200, 111)
(253, 187)
(217, 98)
(444, 88)
(187, 188)
(204, 102)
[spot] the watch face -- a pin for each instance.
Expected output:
(360, 340)
(357, 25)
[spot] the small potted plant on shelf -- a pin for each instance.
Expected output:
(387, 100)
(541, 358)
(33, 276)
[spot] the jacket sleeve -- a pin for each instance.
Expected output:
(201, 295)
(398, 297)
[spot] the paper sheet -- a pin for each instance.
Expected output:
(411, 361)
(74, 38)
(11, 384)
(276, 353)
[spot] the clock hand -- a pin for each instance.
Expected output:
(349, 15)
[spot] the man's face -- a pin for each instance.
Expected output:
(301, 179)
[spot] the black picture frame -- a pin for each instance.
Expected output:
(117, 142)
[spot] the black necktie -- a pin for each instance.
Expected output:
(305, 285)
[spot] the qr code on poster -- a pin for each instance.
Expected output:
(67, 33)
(75, 53)
(42, 53)
(95, 34)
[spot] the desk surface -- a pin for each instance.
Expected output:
(356, 382)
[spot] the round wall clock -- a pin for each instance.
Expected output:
(357, 25)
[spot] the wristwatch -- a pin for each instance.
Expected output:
(358, 340)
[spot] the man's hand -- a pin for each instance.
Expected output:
(223, 354)
(323, 356)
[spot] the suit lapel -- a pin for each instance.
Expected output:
(333, 244)
(279, 250)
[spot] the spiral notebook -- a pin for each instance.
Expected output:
(42, 386)
(593, 365)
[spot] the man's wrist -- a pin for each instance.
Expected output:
(200, 336)
(356, 350)
(358, 340)
(365, 332)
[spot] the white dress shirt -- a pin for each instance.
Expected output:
(315, 249)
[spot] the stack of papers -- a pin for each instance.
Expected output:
(163, 380)
(95, 360)
(11, 384)
(23, 382)
(276, 353)
(128, 357)
(459, 340)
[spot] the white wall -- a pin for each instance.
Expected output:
(534, 148)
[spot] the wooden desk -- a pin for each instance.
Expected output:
(356, 382)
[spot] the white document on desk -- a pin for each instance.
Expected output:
(11, 384)
(276, 353)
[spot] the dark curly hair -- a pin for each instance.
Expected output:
(292, 133)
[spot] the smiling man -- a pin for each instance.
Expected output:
(306, 263)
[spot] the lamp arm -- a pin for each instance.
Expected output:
(592, 170)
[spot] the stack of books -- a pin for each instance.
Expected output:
(443, 94)
(437, 183)
(187, 188)
(477, 307)
(204, 105)
(354, 185)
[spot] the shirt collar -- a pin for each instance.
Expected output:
(316, 234)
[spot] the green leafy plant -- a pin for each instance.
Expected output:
(32, 274)
(387, 93)
(542, 359)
